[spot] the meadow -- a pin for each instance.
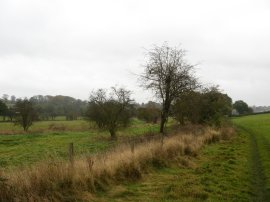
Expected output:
(191, 164)
(88, 178)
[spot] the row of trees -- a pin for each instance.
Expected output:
(167, 74)
(109, 110)
(172, 80)
(48, 107)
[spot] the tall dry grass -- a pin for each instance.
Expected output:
(50, 181)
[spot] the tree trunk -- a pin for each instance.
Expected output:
(113, 134)
(164, 115)
(162, 123)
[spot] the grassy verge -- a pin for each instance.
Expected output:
(219, 173)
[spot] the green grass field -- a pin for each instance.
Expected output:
(50, 139)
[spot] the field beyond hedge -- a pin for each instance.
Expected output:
(50, 140)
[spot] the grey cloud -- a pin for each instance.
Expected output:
(68, 47)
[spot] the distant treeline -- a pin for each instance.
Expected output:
(46, 107)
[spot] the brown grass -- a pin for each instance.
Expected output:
(65, 182)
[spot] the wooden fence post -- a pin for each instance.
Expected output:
(71, 153)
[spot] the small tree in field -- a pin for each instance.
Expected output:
(168, 75)
(25, 113)
(110, 110)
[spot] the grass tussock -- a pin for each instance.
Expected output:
(65, 182)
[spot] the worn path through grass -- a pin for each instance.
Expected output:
(257, 129)
(258, 176)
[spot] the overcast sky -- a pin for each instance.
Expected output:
(71, 47)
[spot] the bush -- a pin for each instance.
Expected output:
(207, 107)
(148, 114)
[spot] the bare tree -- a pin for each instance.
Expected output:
(110, 111)
(169, 75)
